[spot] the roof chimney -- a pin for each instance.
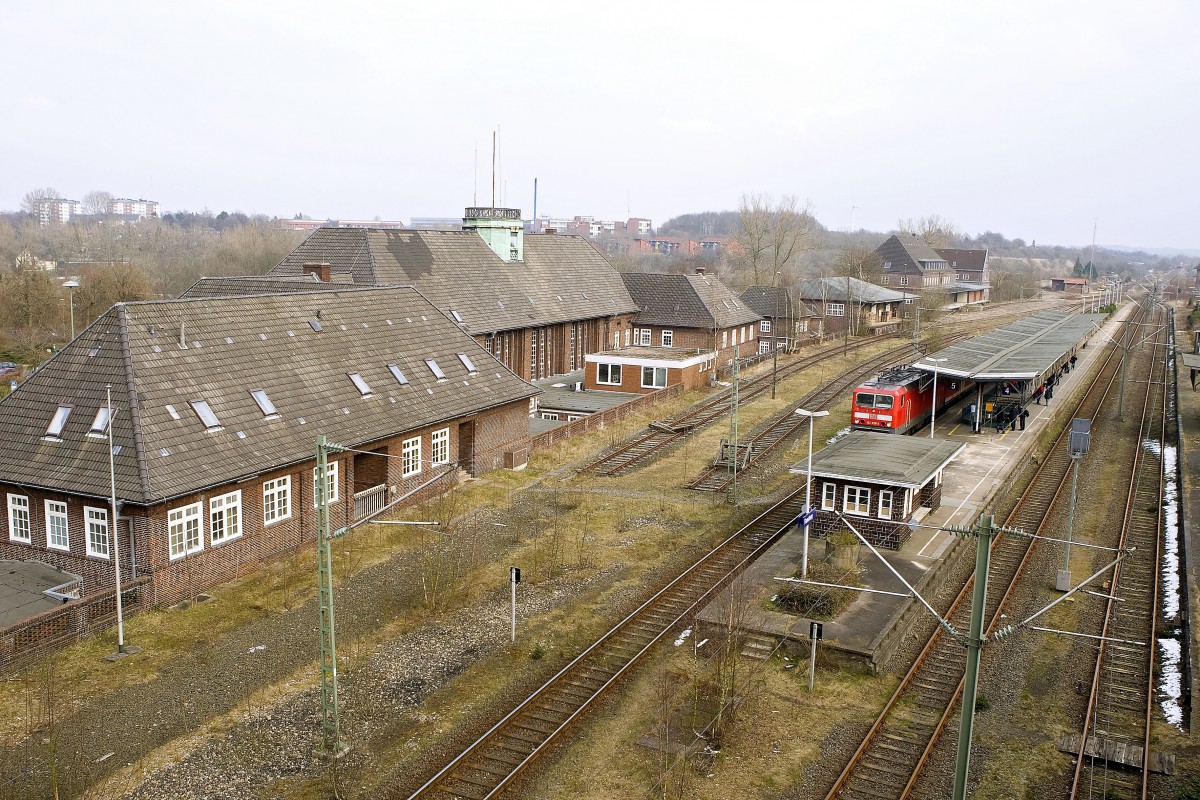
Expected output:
(699, 270)
(322, 271)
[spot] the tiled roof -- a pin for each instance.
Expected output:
(686, 301)
(230, 347)
(904, 251)
(766, 301)
(260, 284)
(971, 260)
(910, 461)
(834, 289)
(562, 278)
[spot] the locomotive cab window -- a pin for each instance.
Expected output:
(867, 400)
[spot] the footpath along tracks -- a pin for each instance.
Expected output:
(890, 760)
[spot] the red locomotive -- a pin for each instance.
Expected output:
(900, 400)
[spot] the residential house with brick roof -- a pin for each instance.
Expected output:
(784, 318)
(694, 311)
(911, 265)
(538, 303)
(216, 406)
(840, 302)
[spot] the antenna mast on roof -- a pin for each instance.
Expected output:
(475, 190)
(493, 169)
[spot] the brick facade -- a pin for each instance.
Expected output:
(478, 443)
(540, 352)
(890, 531)
(736, 342)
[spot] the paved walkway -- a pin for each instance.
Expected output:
(970, 483)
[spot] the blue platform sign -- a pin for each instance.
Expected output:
(807, 517)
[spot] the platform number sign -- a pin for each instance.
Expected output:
(806, 518)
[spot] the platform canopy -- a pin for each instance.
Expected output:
(1022, 350)
(882, 458)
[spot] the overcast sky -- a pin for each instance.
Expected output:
(1033, 119)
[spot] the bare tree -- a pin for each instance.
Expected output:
(34, 197)
(96, 202)
(934, 230)
(773, 232)
(754, 231)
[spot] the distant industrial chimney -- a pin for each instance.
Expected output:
(321, 271)
(501, 228)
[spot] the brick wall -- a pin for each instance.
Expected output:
(704, 339)
(890, 532)
(496, 432)
(539, 352)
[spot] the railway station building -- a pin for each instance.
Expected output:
(864, 308)
(538, 303)
(1014, 366)
(880, 483)
(216, 408)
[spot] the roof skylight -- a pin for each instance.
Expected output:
(264, 403)
(363, 388)
(205, 413)
(456, 315)
(100, 423)
(58, 422)
(435, 369)
(315, 324)
(171, 410)
(466, 362)
(398, 374)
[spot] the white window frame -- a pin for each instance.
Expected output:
(628, 336)
(58, 522)
(439, 447)
(646, 333)
(225, 512)
(277, 500)
(828, 496)
(20, 521)
(668, 338)
(656, 373)
(764, 346)
(724, 339)
(331, 474)
(764, 326)
(95, 522)
(904, 280)
(885, 495)
(835, 309)
(180, 540)
(862, 503)
(611, 369)
(410, 457)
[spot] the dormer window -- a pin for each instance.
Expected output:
(100, 423)
(264, 403)
(206, 415)
(435, 369)
(466, 362)
(58, 422)
(360, 384)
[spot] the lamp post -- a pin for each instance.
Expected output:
(807, 516)
(71, 286)
(933, 408)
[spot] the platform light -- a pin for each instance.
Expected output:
(807, 516)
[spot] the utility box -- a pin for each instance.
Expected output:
(1081, 436)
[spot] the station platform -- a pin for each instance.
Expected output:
(871, 629)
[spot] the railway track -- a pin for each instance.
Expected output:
(497, 757)
(657, 438)
(716, 477)
(890, 759)
(1115, 763)
(660, 436)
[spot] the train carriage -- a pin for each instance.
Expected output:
(900, 400)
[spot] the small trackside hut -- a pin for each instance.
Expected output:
(880, 483)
